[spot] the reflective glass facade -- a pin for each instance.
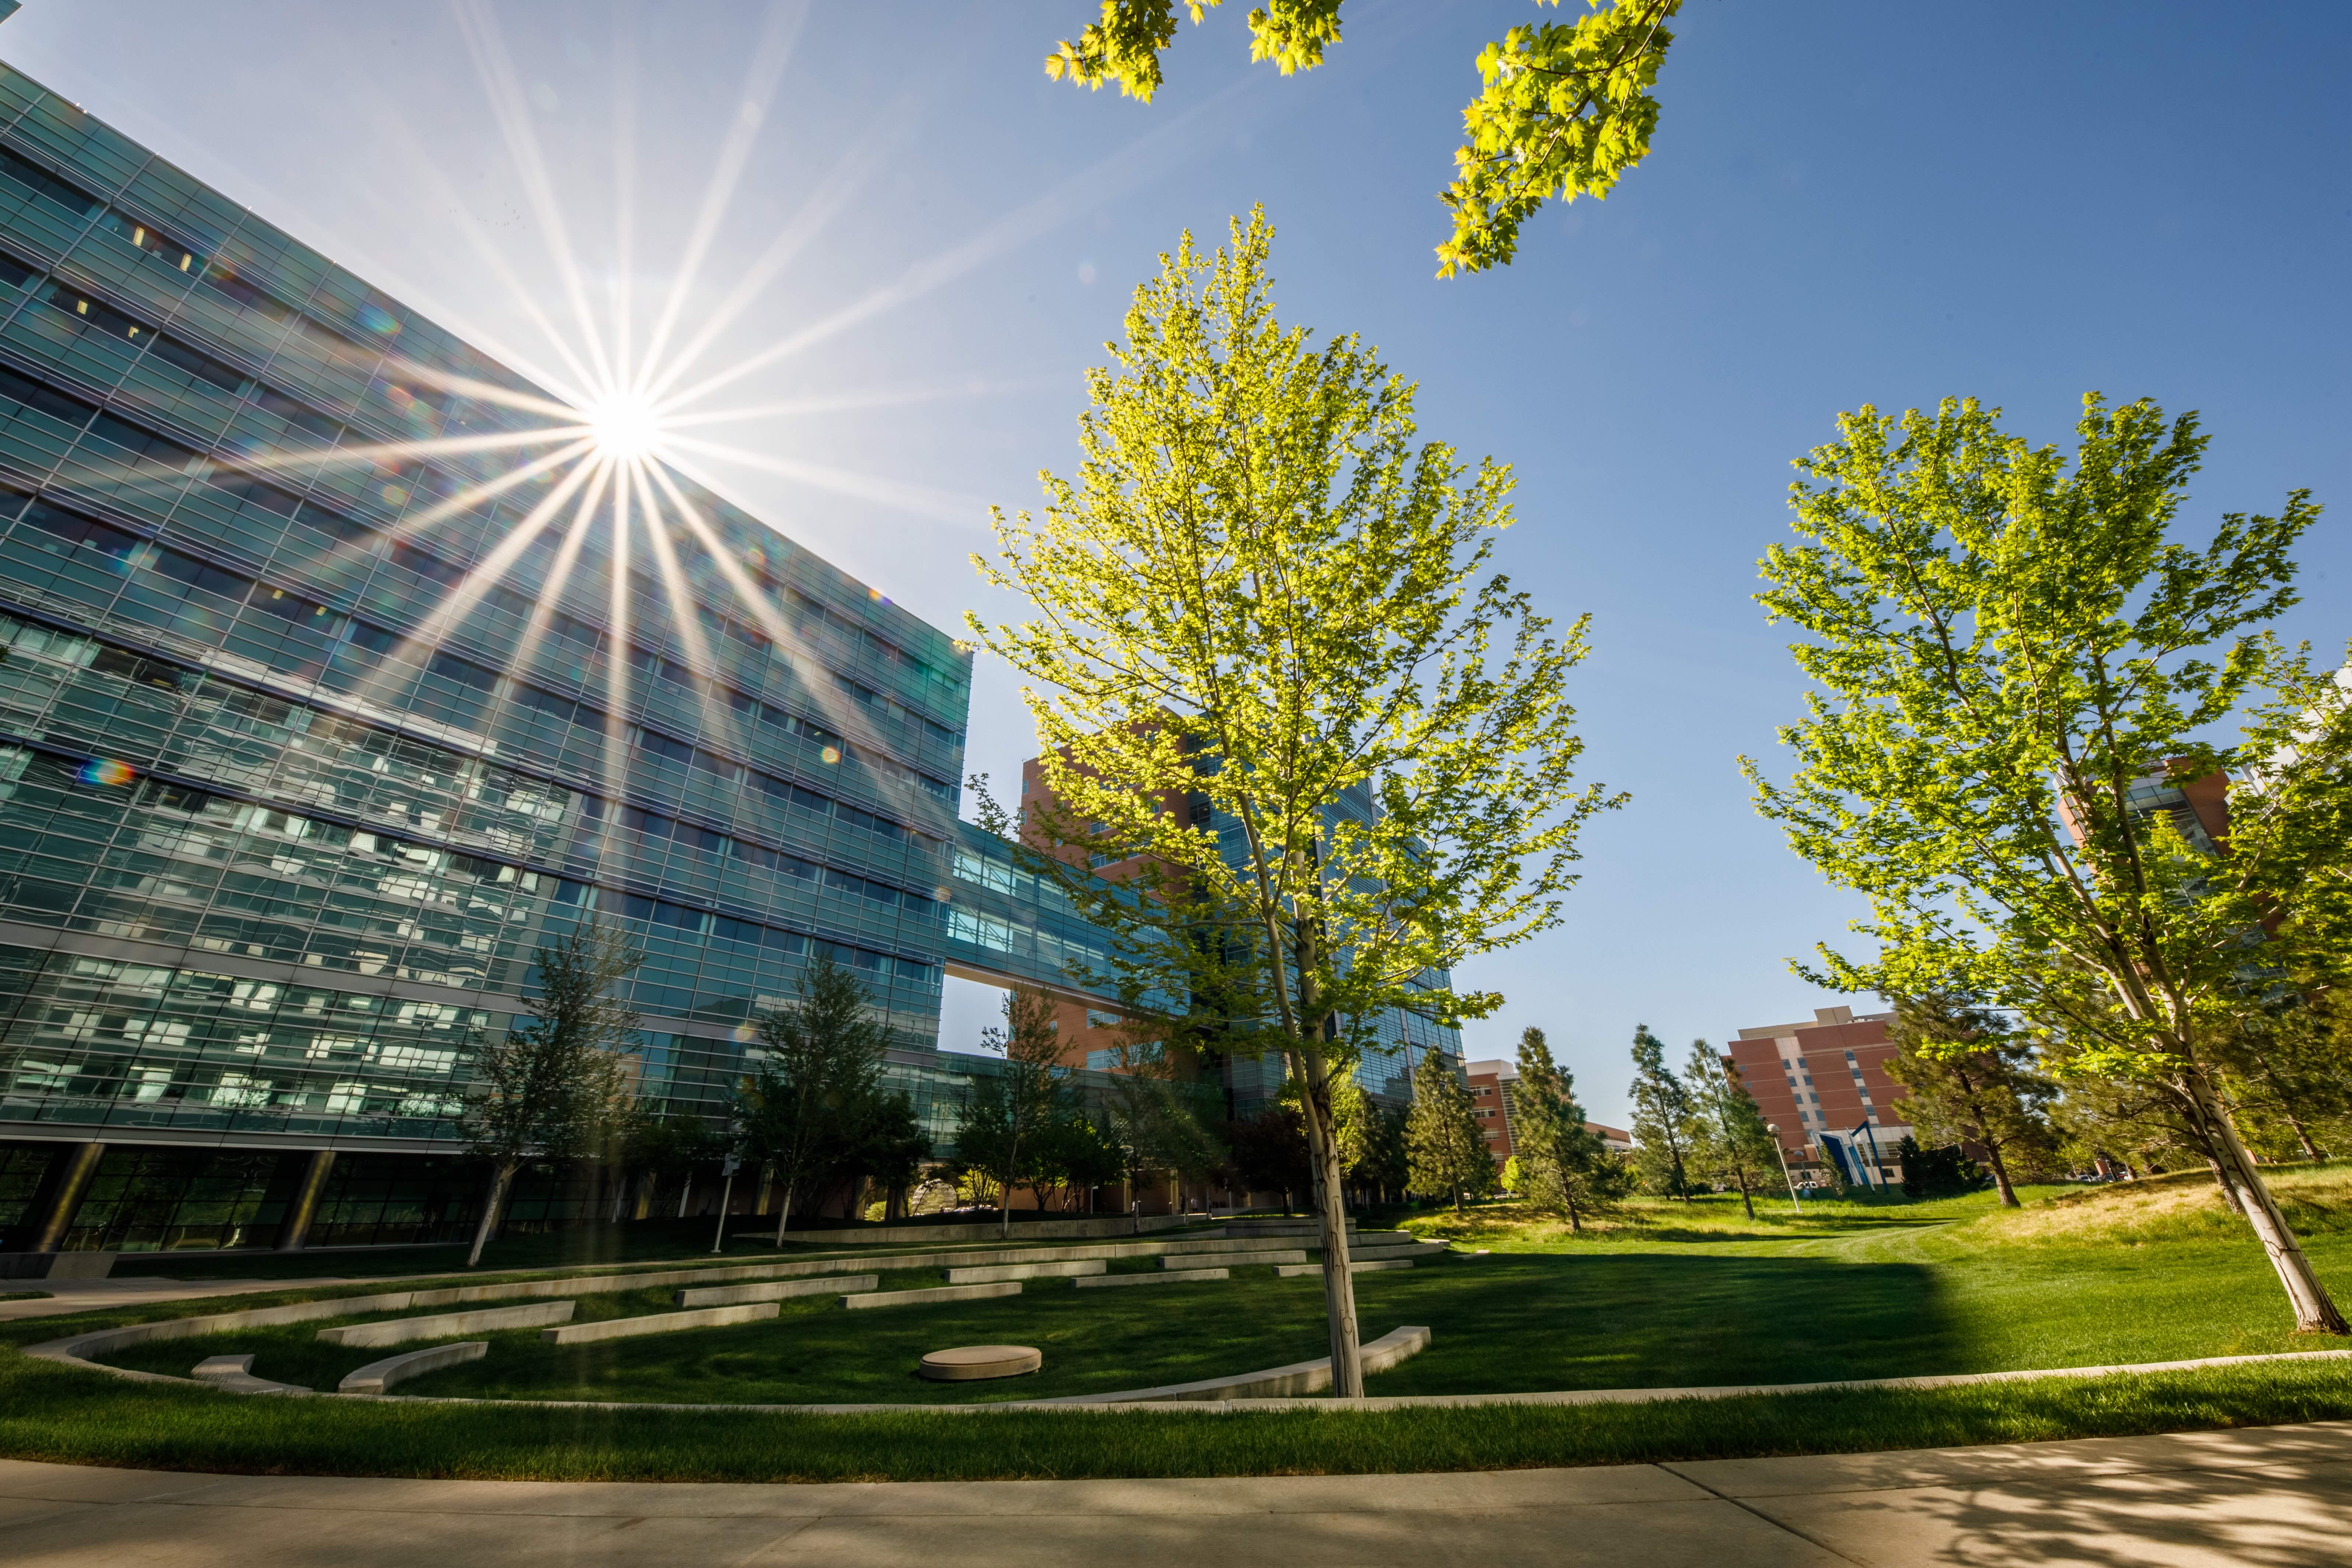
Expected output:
(315, 721)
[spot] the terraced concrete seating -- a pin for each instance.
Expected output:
(659, 1323)
(936, 1293)
(1169, 1277)
(233, 1374)
(400, 1331)
(1377, 1266)
(992, 1273)
(379, 1375)
(1281, 1227)
(778, 1291)
(1232, 1259)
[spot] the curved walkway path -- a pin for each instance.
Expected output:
(2265, 1497)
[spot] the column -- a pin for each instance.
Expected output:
(295, 1229)
(72, 1184)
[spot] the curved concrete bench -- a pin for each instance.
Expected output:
(379, 1375)
(1231, 1259)
(401, 1330)
(233, 1374)
(1274, 1383)
(729, 1295)
(659, 1323)
(1170, 1277)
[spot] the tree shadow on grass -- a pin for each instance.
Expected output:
(1532, 1321)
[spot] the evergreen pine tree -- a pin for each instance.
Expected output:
(1447, 1145)
(1661, 1111)
(1993, 1096)
(1564, 1166)
(1730, 1141)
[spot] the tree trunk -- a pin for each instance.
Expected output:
(2311, 1151)
(785, 1213)
(501, 1177)
(2315, 1311)
(2000, 1175)
(1745, 1200)
(1339, 1283)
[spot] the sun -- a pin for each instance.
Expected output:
(624, 426)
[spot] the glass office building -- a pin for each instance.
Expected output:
(321, 709)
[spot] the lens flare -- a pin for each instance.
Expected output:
(106, 770)
(626, 428)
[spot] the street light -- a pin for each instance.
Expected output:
(733, 1162)
(1780, 1148)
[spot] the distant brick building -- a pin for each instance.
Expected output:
(1492, 1085)
(1823, 1084)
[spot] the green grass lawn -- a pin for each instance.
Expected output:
(1672, 1296)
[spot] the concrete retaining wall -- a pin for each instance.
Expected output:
(1274, 1383)
(1171, 1277)
(1231, 1259)
(990, 1274)
(937, 1293)
(1377, 1266)
(729, 1295)
(1031, 1229)
(233, 1374)
(659, 1323)
(379, 1375)
(400, 1331)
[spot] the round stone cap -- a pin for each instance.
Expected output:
(968, 1363)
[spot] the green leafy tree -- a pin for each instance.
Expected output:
(1154, 1122)
(1269, 1152)
(1662, 1112)
(2010, 654)
(1730, 1141)
(1968, 1081)
(819, 1072)
(553, 1087)
(1354, 1119)
(657, 1144)
(1446, 1146)
(1007, 1116)
(1566, 108)
(1939, 1173)
(1270, 682)
(1388, 1163)
(877, 1139)
(2288, 1059)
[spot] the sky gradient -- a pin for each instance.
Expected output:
(1844, 204)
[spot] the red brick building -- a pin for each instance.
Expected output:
(1823, 1084)
(1491, 1087)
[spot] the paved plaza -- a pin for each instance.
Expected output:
(2273, 1496)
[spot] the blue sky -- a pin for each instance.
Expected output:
(1845, 202)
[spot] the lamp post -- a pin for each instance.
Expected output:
(1780, 1148)
(725, 1193)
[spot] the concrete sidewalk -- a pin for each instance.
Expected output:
(2270, 1496)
